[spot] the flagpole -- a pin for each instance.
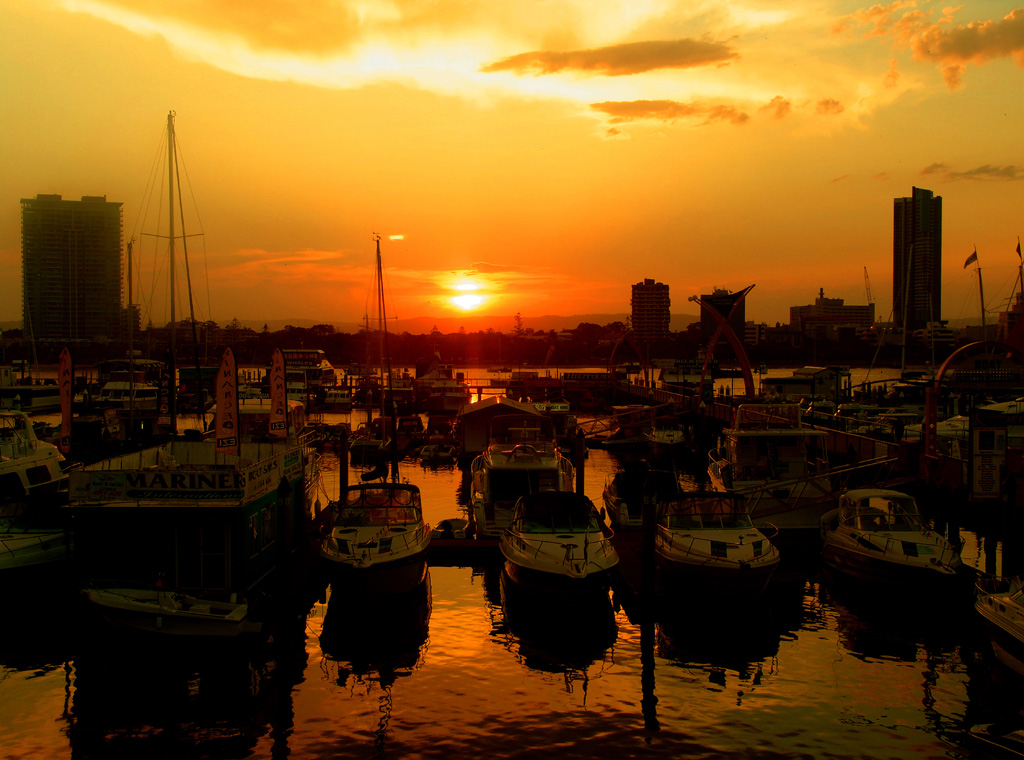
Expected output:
(973, 259)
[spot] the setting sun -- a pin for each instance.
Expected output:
(467, 302)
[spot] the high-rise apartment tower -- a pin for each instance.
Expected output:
(71, 268)
(649, 307)
(917, 259)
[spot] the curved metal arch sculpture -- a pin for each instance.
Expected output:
(723, 328)
(929, 428)
(628, 338)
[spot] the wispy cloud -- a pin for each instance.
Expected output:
(829, 106)
(667, 111)
(1009, 172)
(779, 107)
(619, 60)
(950, 46)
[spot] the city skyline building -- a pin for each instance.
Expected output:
(723, 301)
(71, 268)
(826, 316)
(917, 260)
(650, 309)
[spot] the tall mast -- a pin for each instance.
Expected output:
(170, 217)
(386, 391)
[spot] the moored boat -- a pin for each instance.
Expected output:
(377, 538)
(198, 524)
(778, 464)
(521, 458)
(558, 541)
(29, 467)
(1000, 602)
(174, 614)
(33, 485)
(626, 491)
(706, 544)
(878, 536)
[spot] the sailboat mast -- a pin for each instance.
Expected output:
(170, 216)
(387, 392)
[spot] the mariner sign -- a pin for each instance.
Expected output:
(170, 485)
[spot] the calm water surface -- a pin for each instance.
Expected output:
(465, 670)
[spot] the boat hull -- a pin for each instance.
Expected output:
(543, 581)
(865, 569)
(391, 577)
(1004, 620)
(160, 612)
(30, 549)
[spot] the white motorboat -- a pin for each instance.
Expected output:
(33, 484)
(777, 463)
(24, 545)
(626, 491)
(706, 540)
(125, 394)
(174, 614)
(1000, 602)
(878, 536)
(378, 539)
(557, 540)
(521, 458)
(29, 467)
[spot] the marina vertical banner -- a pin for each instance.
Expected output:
(166, 419)
(66, 382)
(226, 422)
(278, 396)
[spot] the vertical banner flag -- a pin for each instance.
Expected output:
(226, 424)
(66, 381)
(971, 259)
(278, 396)
(166, 414)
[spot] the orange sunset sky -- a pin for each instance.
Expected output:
(539, 156)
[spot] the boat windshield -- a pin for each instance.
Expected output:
(710, 511)
(563, 512)
(883, 513)
(378, 506)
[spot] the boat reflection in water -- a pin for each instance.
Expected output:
(556, 632)
(181, 699)
(720, 638)
(370, 641)
(376, 636)
(900, 627)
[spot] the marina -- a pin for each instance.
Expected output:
(462, 663)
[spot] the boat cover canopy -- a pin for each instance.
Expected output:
(382, 495)
(557, 511)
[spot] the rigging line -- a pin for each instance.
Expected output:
(155, 172)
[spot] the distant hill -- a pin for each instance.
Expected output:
(472, 323)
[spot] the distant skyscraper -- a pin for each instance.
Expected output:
(71, 268)
(649, 305)
(917, 259)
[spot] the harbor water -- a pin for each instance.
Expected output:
(465, 668)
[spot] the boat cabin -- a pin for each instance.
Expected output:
(877, 510)
(707, 509)
(385, 505)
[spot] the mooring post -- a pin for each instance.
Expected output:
(342, 462)
(649, 519)
(580, 457)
